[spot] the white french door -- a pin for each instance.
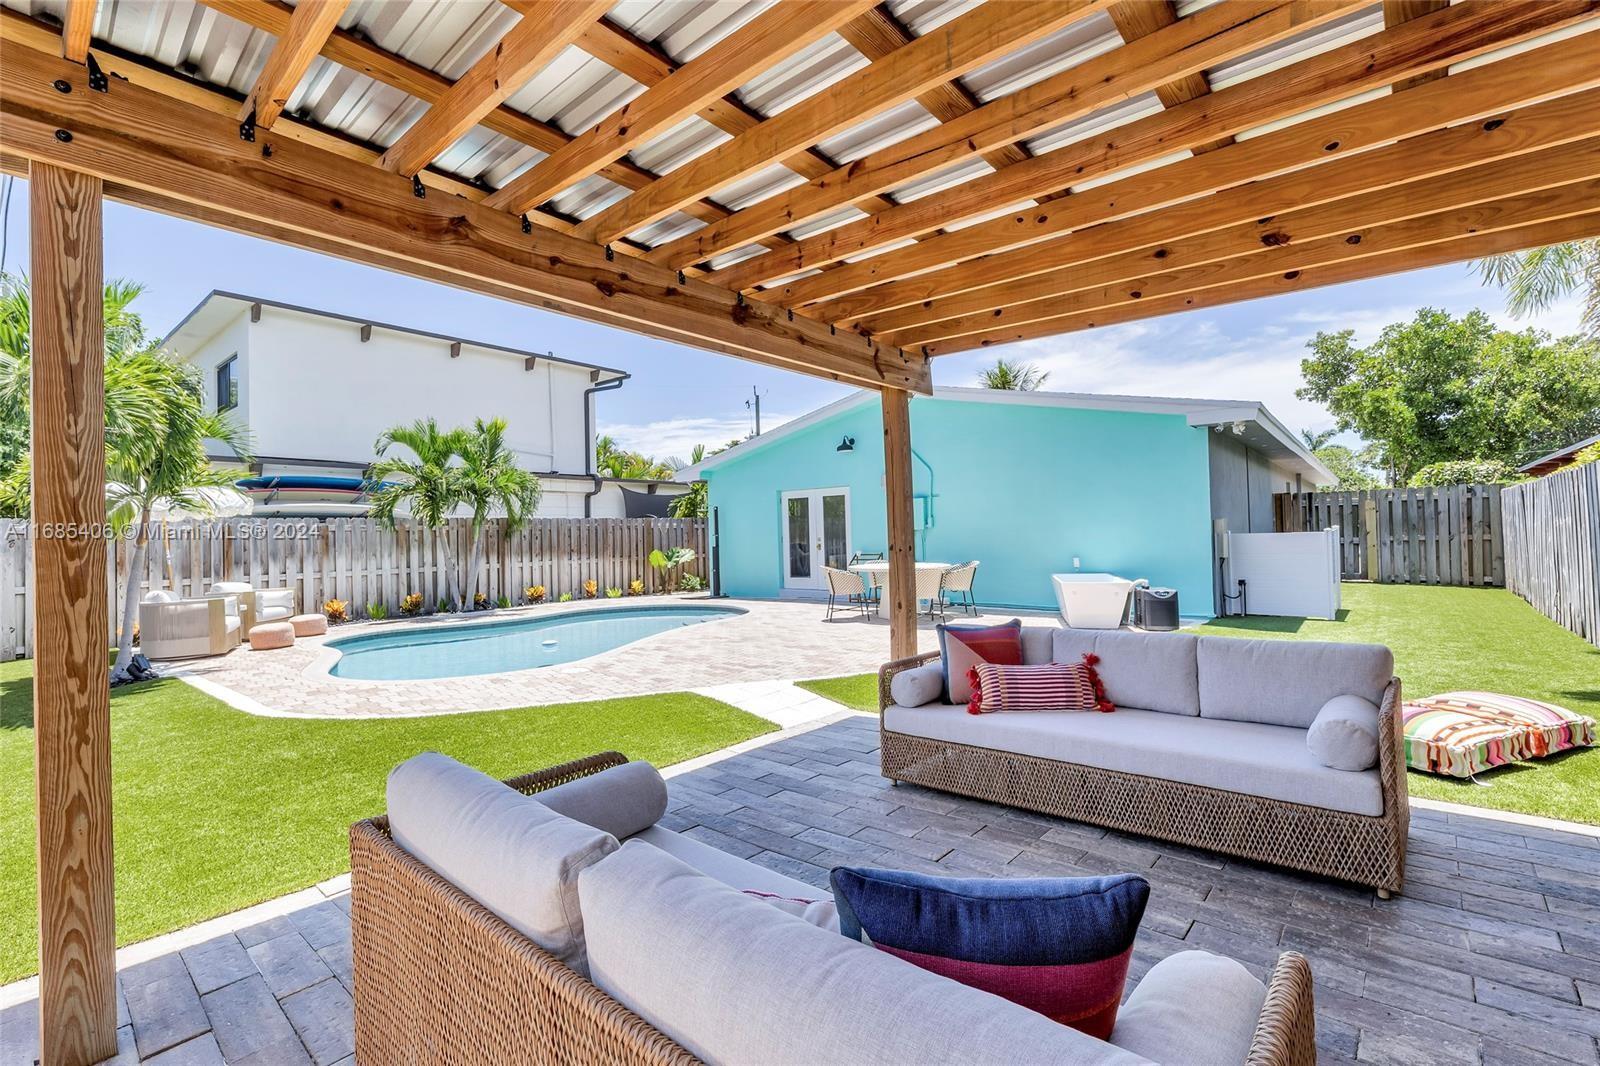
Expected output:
(815, 534)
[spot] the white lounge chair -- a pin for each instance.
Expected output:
(257, 605)
(171, 627)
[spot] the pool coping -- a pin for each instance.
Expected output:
(328, 655)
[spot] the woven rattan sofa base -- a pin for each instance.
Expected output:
(1366, 849)
(439, 979)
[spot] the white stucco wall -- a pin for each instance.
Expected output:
(232, 339)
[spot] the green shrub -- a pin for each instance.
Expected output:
(377, 611)
(503, 602)
(566, 597)
(443, 606)
(690, 583)
(613, 594)
(1465, 472)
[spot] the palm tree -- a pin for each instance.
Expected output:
(692, 504)
(1013, 377)
(429, 483)
(1538, 277)
(166, 468)
(1314, 440)
(614, 462)
(491, 480)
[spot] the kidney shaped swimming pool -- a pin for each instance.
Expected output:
(465, 649)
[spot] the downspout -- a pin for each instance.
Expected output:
(922, 549)
(588, 432)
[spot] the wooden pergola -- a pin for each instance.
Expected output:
(1014, 170)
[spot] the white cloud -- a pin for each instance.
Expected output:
(677, 437)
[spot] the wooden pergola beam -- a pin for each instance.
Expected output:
(1565, 66)
(77, 28)
(312, 23)
(729, 63)
(1209, 37)
(1140, 18)
(1433, 41)
(1575, 227)
(957, 47)
(1459, 147)
(1396, 12)
(71, 682)
(1251, 261)
(992, 306)
(140, 139)
(527, 48)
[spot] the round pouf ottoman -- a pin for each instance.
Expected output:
(309, 625)
(269, 635)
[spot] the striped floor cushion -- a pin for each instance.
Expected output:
(1464, 733)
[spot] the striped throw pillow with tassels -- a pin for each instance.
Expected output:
(1046, 687)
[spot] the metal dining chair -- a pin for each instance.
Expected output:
(853, 588)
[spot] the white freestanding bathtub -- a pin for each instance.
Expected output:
(1092, 601)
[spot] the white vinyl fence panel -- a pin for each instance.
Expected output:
(1552, 531)
(357, 560)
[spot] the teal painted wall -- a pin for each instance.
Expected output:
(1021, 488)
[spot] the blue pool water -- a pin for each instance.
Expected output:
(465, 649)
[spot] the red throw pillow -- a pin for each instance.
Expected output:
(1046, 687)
(964, 647)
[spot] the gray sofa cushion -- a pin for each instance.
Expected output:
(1344, 734)
(1069, 645)
(735, 980)
(1193, 1007)
(1038, 644)
(621, 800)
(918, 685)
(1149, 671)
(1283, 682)
(729, 869)
(1259, 760)
(517, 857)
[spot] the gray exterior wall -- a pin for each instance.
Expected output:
(1242, 484)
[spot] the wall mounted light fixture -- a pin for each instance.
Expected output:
(848, 444)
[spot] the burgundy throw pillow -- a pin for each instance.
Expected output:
(964, 647)
(1046, 687)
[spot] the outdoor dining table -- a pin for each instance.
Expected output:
(878, 574)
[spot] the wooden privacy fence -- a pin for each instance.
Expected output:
(1553, 547)
(357, 560)
(1429, 536)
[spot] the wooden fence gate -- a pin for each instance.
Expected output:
(1426, 536)
(1553, 547)
(360, 562)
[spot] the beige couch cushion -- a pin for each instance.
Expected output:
(620, 800)
(1248, 757)
(1286, 682)
(1195, 1008)
(730, 869)
(737, 981)
(509, 852)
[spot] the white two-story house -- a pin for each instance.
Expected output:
(315, 389)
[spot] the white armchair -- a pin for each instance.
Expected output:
(274, 605)
(256, 605)
(174, 628)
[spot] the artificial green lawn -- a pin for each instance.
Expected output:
(216, 809)
(1443, 639)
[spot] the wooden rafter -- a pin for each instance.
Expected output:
(139, 138)
(1211, 36)
(1517, 192)
(1331, 76)
(527, 48)
(1140, 18)
(1396, 12)
(1156, 239)
(77, 27)
(953, 49)
(312, 23)
(735, 59)
(1477, 246)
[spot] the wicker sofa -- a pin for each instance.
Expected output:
(441, 976)
(1207, 748)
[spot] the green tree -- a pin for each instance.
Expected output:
(1537, 278)
(428, 483)
(611, 461)
(1465, 472)
(1350, 473)
(1013, 376)
(491, 480)
(1441, 388)
(692, 504)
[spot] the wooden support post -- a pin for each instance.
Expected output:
(902, 583)
(71, 692)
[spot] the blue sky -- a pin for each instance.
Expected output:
(679, 396)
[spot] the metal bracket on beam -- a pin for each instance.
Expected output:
(419, 190)
(97, 77)
(247, 128)
(527, 223)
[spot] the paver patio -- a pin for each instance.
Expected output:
(1491, 956)
(773, 640)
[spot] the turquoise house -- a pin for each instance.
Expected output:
(1029, 484)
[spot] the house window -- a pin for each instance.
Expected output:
(227, 384)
